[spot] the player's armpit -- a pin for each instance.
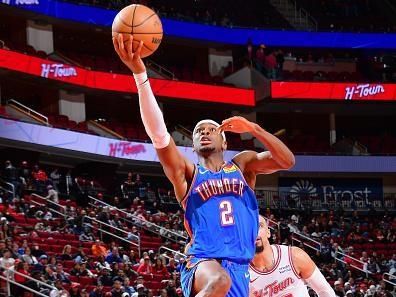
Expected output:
(302, 262)
(177, 168)
(257, 163)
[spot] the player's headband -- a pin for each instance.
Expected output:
(208, 121)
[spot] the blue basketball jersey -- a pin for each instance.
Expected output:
(221, 215)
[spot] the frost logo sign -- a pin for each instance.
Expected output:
(303, 187)
(364, 190)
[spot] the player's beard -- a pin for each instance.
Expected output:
(260, 248)
(207, 149)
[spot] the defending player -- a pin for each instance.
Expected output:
(221, 212)
(282, 271)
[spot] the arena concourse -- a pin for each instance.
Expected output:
(85, 208)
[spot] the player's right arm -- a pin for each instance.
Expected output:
(177, 168)
(308, 271)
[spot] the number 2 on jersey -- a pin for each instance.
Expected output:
(227, 218)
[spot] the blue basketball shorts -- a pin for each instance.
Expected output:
(239, 274)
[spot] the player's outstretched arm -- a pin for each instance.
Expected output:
(308, 271)
(177, 168)
(278, 156)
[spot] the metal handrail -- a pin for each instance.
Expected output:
(172, 251)
(129, 215)
(352, 265)
(11, 186)
(8, 279)
(390, 276)
(111, 226)
(29, 110)
(307, 239)
(186, 133)
(112, 234)
(51, 209)
(138, 245)
(271, 227)
(161, 69)
(19, 285)
(49, 201)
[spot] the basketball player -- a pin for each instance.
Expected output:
(221, 212)
(283, 271)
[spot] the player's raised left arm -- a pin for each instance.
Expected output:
(310, 273)
(278, 156)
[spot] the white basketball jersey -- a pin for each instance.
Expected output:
(281, 281)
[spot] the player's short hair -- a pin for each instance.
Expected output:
(209, 121)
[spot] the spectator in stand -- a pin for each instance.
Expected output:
(28, 257)
(36, 251)
(140, 291)
(49, 274)
(270, 65)
(371, 266)
(105, 278)
(99, 249)
(67, 253)
(80, 256)
(6, 262)
(130, 271)
(129, 259)
(113, 256)
(86, 237)
(159, 268)
(11, 175)
(164, 293)
(84, 293)
(55, 178)
(128, 188)
(171, 289)
(52, 195)
(171, 267)
(59, 290)
(76, 270)
(260, 59)
(145, 268)
(61, 274)
(25, 175)
(74, 290)
(98, 291)
(22, 268)
(39, 179)
(127, 286)
(338, 288)
(117, 289)
(118, 274)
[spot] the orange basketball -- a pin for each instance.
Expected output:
(141, 22)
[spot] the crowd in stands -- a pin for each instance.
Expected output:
(60, 246)
(221, 13)
(351, 15)
(332, 15)
(55, 243)
(366, 242)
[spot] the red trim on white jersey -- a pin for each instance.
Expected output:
(273, 268)
(292, 263)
